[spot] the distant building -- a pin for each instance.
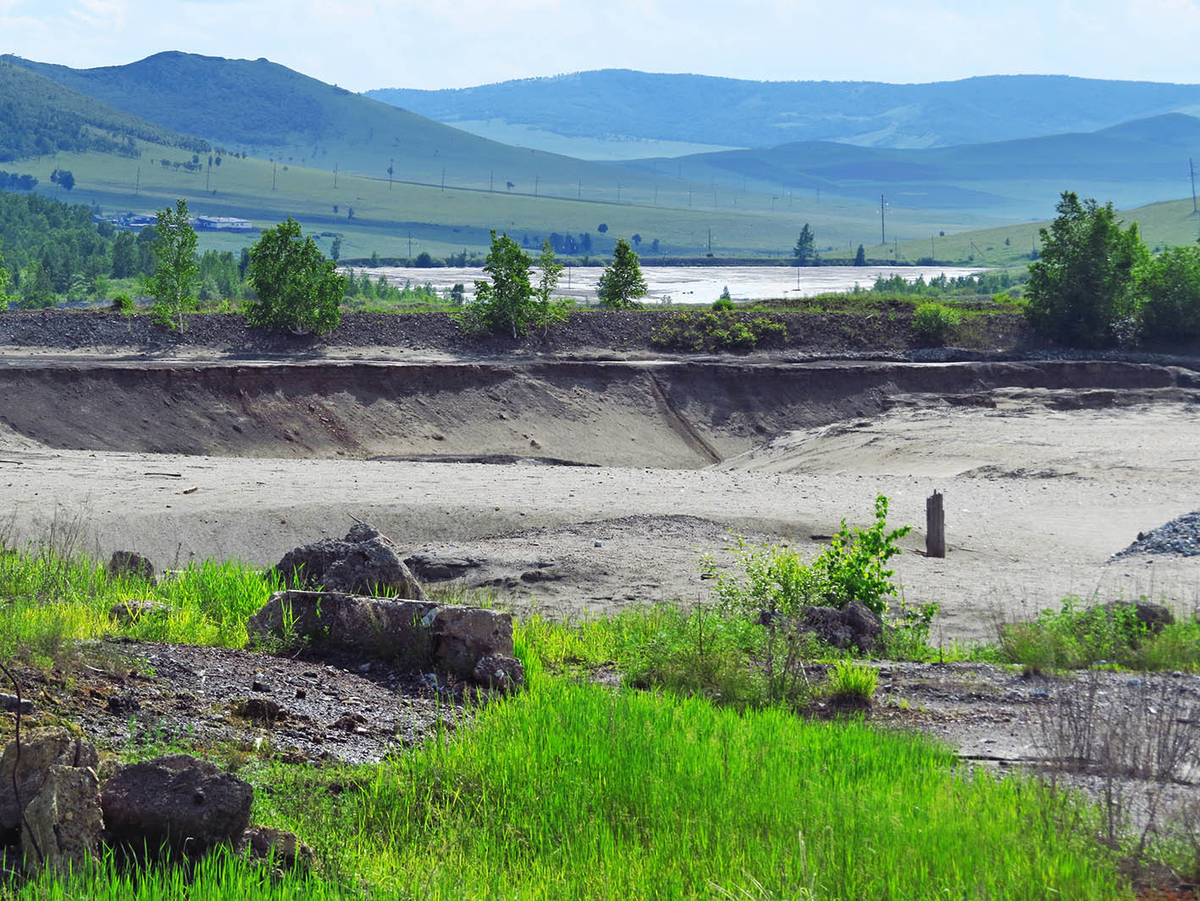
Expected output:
(221, 224)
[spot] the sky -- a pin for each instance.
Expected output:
(457, 43)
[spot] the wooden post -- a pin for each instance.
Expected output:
(935, 526)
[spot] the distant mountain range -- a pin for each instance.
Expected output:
(612, 107)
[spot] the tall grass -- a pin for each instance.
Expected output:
(576, 791)
(48, 601)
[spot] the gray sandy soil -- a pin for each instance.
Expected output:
(1038, 498)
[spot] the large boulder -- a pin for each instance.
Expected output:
(1154, 617)
(176, 802)
(62, 824)
(851, 626)
(40, 749)
(362, 562)
(415, 633)
(130, 565)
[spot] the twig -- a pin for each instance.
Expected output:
(369, 526)
(14, 462)
(17, 765)
(169, 475)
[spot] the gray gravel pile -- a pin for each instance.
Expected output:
(1180, 537)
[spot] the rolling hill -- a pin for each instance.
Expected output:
(1132, 164)
(600, 111)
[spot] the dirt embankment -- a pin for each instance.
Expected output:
(653, 413)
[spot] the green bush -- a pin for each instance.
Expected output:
(855, 559)
(932, 323)
(123, 303)
(721, 329)
(724, 302)
(1077, 636)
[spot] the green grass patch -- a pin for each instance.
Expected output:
(48, 602)
(1078, 636)
(572, 790)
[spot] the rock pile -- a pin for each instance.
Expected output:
(1180, 537)
(56, 814)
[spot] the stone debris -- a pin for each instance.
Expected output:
(1180, 537)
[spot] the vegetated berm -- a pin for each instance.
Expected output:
(1180, 536)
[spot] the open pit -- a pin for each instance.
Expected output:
(1048, 468)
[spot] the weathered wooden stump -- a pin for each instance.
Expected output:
(935, 526)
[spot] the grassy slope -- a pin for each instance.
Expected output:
(444, 222)
(1163, 224)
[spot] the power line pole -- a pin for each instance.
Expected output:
(882, 227)
(391, 167)
(138, 186)
(273, 165)
(443, 179)
(1193, 169)
(491, 181)
(335, 176)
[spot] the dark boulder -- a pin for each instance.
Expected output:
(177, 802)
(851, 626)
(127, 565)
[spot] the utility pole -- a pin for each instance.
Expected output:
(710, 240)
(443, 179)
(618, 192)
(335, 176)
(536, 179)
(579, 189)
(1193, 169)
(491, 181)
(138, 186)
(410, 244)
(391, 167)
(882, 227)
(273, 164)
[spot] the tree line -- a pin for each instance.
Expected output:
(1096, 284)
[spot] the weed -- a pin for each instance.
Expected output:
(932, 322)
(721, 329)
(853, 682)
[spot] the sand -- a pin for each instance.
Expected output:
(1038, 498)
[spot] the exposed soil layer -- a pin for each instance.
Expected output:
(629, 413)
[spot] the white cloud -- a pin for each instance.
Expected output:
(430, 43)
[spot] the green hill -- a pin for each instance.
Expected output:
(624, 105)
(38, 116)
(1132, 164)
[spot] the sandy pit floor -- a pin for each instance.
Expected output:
(1038, 499)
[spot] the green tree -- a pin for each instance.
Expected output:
(36, 289)
(622, 283)
(299, 291)
(176, 272)
(335, 249)
(1081, 288)
(124, 255)
(805, 245)
(547, 310)
(1168, 288)
(860, 257)
(505, 304)
(5, 297)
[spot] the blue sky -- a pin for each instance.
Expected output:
(438, 43)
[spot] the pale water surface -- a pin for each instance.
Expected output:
(697, 284)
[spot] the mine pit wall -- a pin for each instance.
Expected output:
(656, 414)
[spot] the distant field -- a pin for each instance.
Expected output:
(448, 221)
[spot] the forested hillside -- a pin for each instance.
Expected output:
(39, 116)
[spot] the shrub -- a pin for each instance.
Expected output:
(852, 682)
(724, 302)
(123, 303)
(721, 329)
(932, 323)
(299, 291)
(854, 562)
